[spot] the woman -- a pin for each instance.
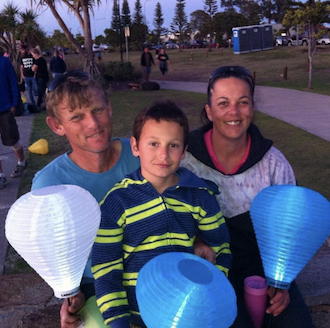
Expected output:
(57, 65)
(231, 151)
(163, 62)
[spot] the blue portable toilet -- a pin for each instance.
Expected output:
(241, 39)
(256, 37)
(267, 37)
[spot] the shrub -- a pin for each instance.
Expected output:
(120, 72)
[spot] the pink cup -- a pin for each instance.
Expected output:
(255, 295)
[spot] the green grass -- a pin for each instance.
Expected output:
(308, 154)
(268, 66)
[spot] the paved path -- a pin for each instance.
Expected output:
(308, 111)
(8, 195)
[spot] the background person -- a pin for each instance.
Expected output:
(231, 151)
(57, 65)
(163, 61)
(146, 62)
(27, 75)
(8, 127)
(41, 73)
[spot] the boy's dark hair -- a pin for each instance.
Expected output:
(161, 111)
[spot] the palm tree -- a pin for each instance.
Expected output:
(29, 31)
(8, 27)
(82, 10)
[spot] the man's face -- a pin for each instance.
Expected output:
(88, 129)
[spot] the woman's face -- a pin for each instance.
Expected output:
(231, 108)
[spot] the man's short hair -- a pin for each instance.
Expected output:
(161, 111)
(77, 87)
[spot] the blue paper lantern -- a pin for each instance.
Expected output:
(291, 223)
(183, 290)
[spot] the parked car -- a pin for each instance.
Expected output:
(104, 46)
(171, 45)
(293, 41)
(46, 53)
(96, 48)
(281, 41)
(324, 40)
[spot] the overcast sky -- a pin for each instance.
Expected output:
(103, 14)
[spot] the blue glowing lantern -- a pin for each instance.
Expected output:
(291, 223)
(183, 290)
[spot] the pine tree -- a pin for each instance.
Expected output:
(126, 14)
(158, 21)
(138, 31)
(138, 16)
(180, 21)
(210, 7)
(116, 22)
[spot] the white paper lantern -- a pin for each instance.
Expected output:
(53, 230)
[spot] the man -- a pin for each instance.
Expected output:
(79, 109)
(8, 126)
(146, 62)
(41, 72)
(27, 75)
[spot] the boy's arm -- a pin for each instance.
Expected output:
(107, 266)
(214, 232)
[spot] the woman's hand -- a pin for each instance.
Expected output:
(279, 300)
(69, 316)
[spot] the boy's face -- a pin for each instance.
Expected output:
(160, 148)
(88, 129)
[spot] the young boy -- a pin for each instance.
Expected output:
(157, 209)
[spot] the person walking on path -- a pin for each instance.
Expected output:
(57, 65)
(41, 72)
(8, 126)
(27, 75)
(146, 62)
(163, 62)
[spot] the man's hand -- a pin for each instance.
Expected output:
(204, 251)
(13, 110)
(279, 300)
(69, 314)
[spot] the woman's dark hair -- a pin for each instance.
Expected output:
(226, 72)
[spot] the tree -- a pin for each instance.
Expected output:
(251, 9)
(16, 25)
(210, 7)
(309, 16)
(158, 22)
(116, 21)
(199, 23)
(9, 21)
(126, 14)
(29, 31)
(226, 20)
(138, 31)
(180, 23)
(82, 10)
